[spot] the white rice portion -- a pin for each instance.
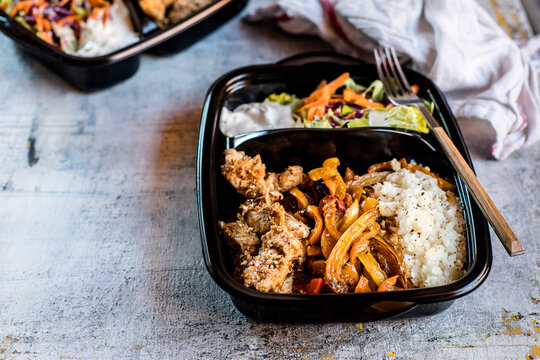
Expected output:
(430, 226)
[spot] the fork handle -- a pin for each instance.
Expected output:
(490, 211)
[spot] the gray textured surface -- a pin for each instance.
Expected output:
(100, 253)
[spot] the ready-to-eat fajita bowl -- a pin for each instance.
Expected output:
(357, 148)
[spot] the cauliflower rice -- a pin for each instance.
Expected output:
(429, 233)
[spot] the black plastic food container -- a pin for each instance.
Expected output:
(95, 73)
(357, 148)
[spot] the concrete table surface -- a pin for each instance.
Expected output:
(100, 254)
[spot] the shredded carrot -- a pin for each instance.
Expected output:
(334, 85)
(66, 19)
(390, 106)
(415, 88)
(311, 113)
(328, 89)
(317, 103)
(63, 3)
(46, 36)
(97, 3)
(23, 5)
(4, 6)
(105, 14)
(95, 13)
(358, 99)
(321, 85)
(324, 94)
(39, 23)
(47, 25)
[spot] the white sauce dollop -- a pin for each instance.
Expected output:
(256, 116)
(98, 38)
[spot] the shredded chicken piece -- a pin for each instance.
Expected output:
(291, 177)
(270, 243)
(248, 176)
(261, 216)
(280, 253)
(240, 236)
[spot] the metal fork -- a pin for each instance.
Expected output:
(399, 93)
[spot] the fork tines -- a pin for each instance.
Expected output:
(390, 72)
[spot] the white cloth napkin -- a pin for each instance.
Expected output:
(483, 73)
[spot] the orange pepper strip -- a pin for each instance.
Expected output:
(313, 212)
(363, 285)
(388, 283)
(315, 286)
(337, 258)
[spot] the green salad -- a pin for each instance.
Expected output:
(342, 103)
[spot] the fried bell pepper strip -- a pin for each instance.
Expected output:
(313, 250)
(387, 284)
(300, 197)
(327, 243)
(384, 166)
(314, 286)
(359, 245)
(369, 203)
(316, 233)
(331, 185)
(396, 259)
(349, 175)
(318, 267)
(337, 258)
(372, 267)
(367, 180)
(331, 215)
(351, 214)
(329, 172)
(363, 285)
(331, 163)
(349, 275)
(390, 248)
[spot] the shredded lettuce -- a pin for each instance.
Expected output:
(351, 84)
(23, 22)
(405, 117)
(345, 110)
(376, 88)
(283, 98)
(80, 12)
(324, 124)
(360, 122)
